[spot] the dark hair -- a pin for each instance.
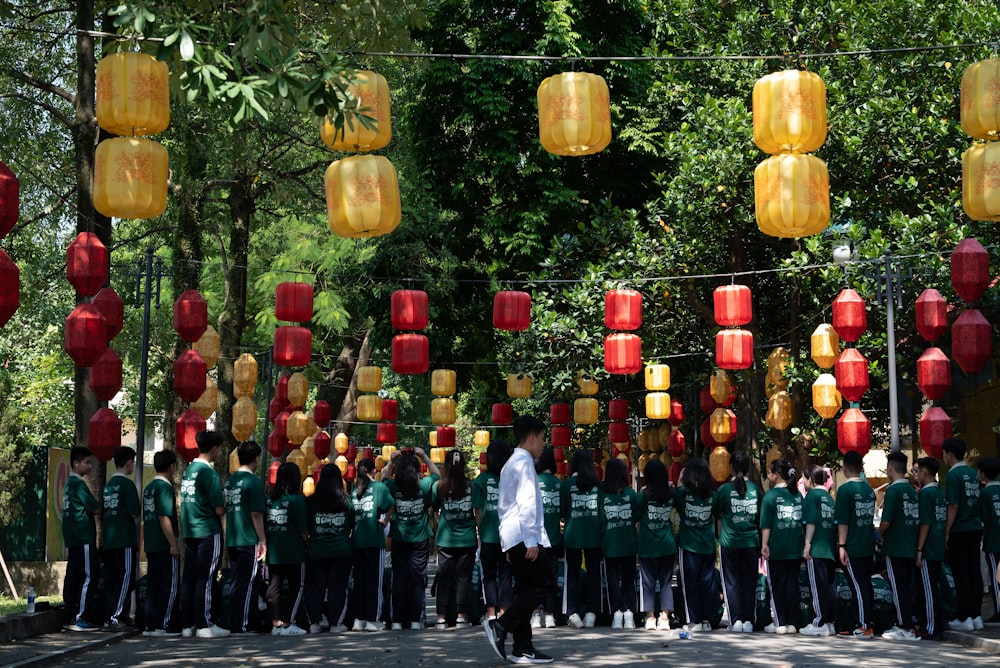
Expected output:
(287, 480)
(896, 460)
(123, 455)
(407, 475)
(784, 469)
(454, 483)
(163, 460)
(583, 467)
(698, 478)
(816, 473)
(329, 496)
(78, 454)
(546, 461)
(853, 461)
(929, 464)
(207, 440)
(364, 470)
(955, 446)
(526, 425)
(615, 476)
(740, 464)
(657, 483)
(989, 466)
(497, 454)
(247, 452)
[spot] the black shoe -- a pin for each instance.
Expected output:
(935, 637)
(497, 637)
(995, 619)
(534, 656)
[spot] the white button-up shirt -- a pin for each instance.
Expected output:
(520, 504)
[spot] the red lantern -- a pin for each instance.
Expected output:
(935, 427)
(851, 372)
(560, 454)
(87, 263)
(351, 473)
(677, 412)
(190, 315)
(482, 461)
(675, 443)
(408, 309)
(352, 452)
(705, 433)
(390, 410)
(106, 375)
(850, 319)
(971, 343)
(618, 409)
(854, 432)
(368, 453)
(321, 413)
(674, 472)
(734, 349)
(85, 335)
(386, 432)
(112, 308)
(187, 427)
(560, 436)
(623, 354)
(189, 375)
(446, 437)
(501, 414)
(293, 302)
(733, 305)
(275, 408)
(292, 346)
(622, 310)
(562, 468)
(934, 373)
(931, 314)
(10, 280)
(706, 402)
(281, 391)
(281, 426)
(272, 470)
(618, 432)
(10, 199)
(559, 413)
(104, 434)
(512, 310)
(970, 269)
(321, 445)
(410, 354)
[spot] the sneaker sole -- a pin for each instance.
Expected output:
(493, 640)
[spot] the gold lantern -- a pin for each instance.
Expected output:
(369, 96)
(792, 195)
(722, 424)
(244, 376)
(981, 181)
(981, 100)
(130, 178)
(341, 462)
(244, 419)
(657, 455)
(443, 382)
(663, 434)
(437, 455)
(574, 114)
(775, 380)
(518, 385)
(234, 461)
(657, 377)
(206, 404)
(779, 410)
(341, 443)
(585, 410)
(657, 405)
(718, 463)
(642, 440)
(369, 408)
(379, 462)
(308, 487)
(298, 458)
(443, 410)
(481, 438)
(643, 460)
(773, 454)
(387, 451)
(362, 196)
(432, 438)
(721, 387)
(825, 346)
(585, 384)
(369, 378)
(298, 390)
(309, 451)
(298, 428)
(826, 397)
(789, 112)
(133, 94)
(208, 346)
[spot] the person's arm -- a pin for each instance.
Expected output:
(386, 473)
(842, 543)
(765, 537)
(431, 466)
(810, 532)
(952, 514)
(921, 539)
(527, 513)
(258, 526)
(167, 526)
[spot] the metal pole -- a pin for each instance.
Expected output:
(268, 371)
(890, 326)
(140, 435)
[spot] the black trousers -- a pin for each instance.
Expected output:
(739, 581)
(696, 584)
(119, 579)
(620, 573)
(80, 583)
(162, 583)
(285, 610)
(327, 580)
(824, 590)
(369, 567)
(590, 599)
(532, 584)
(201, 559)
(859, 579)
(963, 557)
(454, 573)
(783, 580)
(243, 569)
(552, 602)
(497, 587)
(900, 572)
(409, 580)
(929, 605)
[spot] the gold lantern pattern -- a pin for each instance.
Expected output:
(518, 385)
(208, 346)
(443, 410)
(825, 346)
(362, 197)
(574, 114)
(775, 380)
(980, 104)
(369, 380)
(244, 419)
(298, 390)
(130, 178)
(245, 376)
(208, 402)
(368, 102)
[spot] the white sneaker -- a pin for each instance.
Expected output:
(293, 630)
(896, 633)
(359, 625)
(693, 627)
(706, 626)
(629, 619)
(663, 624)
(187, 632)
(977, 623)
(650, 624)
(536, 621)
(339, 628)
(212, 631)
(832, 629)
(589, 620)
(441, 624)
(961, 625)
(315, 628)
(770, 628)
(575, 621)
(162, 633)
(550, 621)
(396, 626)
(275, 630)
(813, 630)
(374, 626)
(747, 627)
(414, 626)
(616, 620)
(737, 626)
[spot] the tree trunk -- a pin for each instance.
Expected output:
(344, 377)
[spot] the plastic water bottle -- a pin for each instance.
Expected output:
(684, 635)
(31, 600)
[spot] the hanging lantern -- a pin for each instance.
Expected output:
(443, 382)
(112, 308)
(244, 419)
(657, 405)
(789, 112)
(622, 309)
(133, 94)
(851, 372)
(935, 428)
(518, 385)
(980, 107)
(825, 344)
(826, 398)
(297, 428)
(574, 114)
(104, 435)
(443, 410)
(281, 426)
(10, 199)
(321, 412)
(386, 432)
(445, 437)
(410, 354)
(854, 432)
(512, 310)
(272, 470)
(292, 346)
(106, 375)
(733, 305)
(10, 283)
(792, 196)
(87, 263)
(779, 411)
(705, 433)
(501, 414)
(675, 445)
(187, 427)
(369, 378)
(657, 377)
(734, 349)
(342, 464)
(676, 416)
(773, 454)
(321, 445)
(585, 385)
(234, 461)
(362, 196)
(341, 443)
(617, 432)
(275, 447)
(775, 380)
(931, 314)
(674, 472)
(208, 402)
(560, 436)
(970, 268)
(275, 408)
(408, 309)
(721, 387)
(980, 183)
(706, 402)
(369, 97)
(718, 464)
(130, 178)
(244, 376)
(293, 302)
(622, 354)
(849, 316)
(190, 316)
(298, 390)
(934, 374)
(208, 346)
(722, 423)
(618, 409)
(281, 390)
(189, 376)
(481, 438)
(85, 335)
(560, 413)
(663, 435)
(971, 343)
(387, 451)
(369, 408)
(308, 487)
(585, 410)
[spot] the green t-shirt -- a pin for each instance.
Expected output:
(551, 488)
(244, 495)
(580, 514)
(330, 533)
(962, 490)
(656, 532)
(287, 523)
(855, 509)
(739, 516)
(933, 513)
(485, 495)
(781, 512)
(201, 494)
(157, 501)
(989, 512)
(456, 521)
(375, 502)
(901, 510)
(121, 508)
(618, 517)
(79, 506)
(697, 533)
(409, 522)
(817, 509)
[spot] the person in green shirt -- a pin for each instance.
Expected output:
(551, 488)
(120, 543)
(854, 513)
(819, 551)
(696, 543)
(80, 538)
(328, 557)
(287, 533)
(579, 498)
(989, 511)
(497, 586)
(930, 550)
(456, 540)
(373, 509)
(657, 547)
(781, 545)
(963, 534)
(618, 508)
(898, 530)
(159, 531)
(736, 506)
(246, 540)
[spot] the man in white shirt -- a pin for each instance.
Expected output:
(524, 541)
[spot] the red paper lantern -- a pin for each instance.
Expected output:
(281, 391)
(351, 473)
(559, 413)
(618, 409)
(674, 472)
(512, 310)
(10, 199)
(10, 282)
(85, 335)
(733, 305)
(931, 314)
(410, 354)
(623, 354)
(854, 432)
(106, 375)
(187, 427)
(281, 426)
(622, 310)
(971, 342)
(321, 445)
(501, 414)
(292, 346)
(368, 453)
(734, 349)
(851, 372)
(189, 375)
(321, 413)
(87, 263)
(618, 432)
(390, 409)
(275, 448)
(408, 309)
(935, 428)
(562, 468)
(293, 302)
(112, 308)
(446, 437)
(705, 433)
(190, 315)
(560, 436)
(675, 443)
(677, 412)
(104, 434)
(560, 454)
(850, 318)
(386, 432)
(706, 402)
(934, 373)
(970, 269)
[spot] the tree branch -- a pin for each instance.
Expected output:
(60, 116)
(43, 86)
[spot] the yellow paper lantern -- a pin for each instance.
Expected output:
(443, 410)
(369, 97)
(309, 451)
(792, 196)
(722, 424)
(298, 390)
(369, 378)
(206, 404)
(234, 461)
(789, 112)
(481, 438)
(585, 384)
(244, 376)
(518, 385)
(379, 462)
(208, 346)
(362, 196)
(298, 458)
(643, 460)
(657, 377)
(718, 463)
(341, 462)
(825, 346)
(720, 386)
(779, 410)
(443, 382)
(773, 454)
(574, 114)
(244, 419)
(585, 410)
(341, 443)
(657, 405)
(438, 455)
(981, 99)
(387, 451)
(826, 397)
(432, 438)
(663, 434)
(298, 428)
(369, 408)
(658, 456)
(642, 440)
(133, 94)
(308, 487)
(774, 380)
(981, 181)
(130, 178)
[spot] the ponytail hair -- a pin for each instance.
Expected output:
(365, 469)
(740, 464)
(453, 484)
(816, 474)
(583, 466)
(783, 469)
(287, 480)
